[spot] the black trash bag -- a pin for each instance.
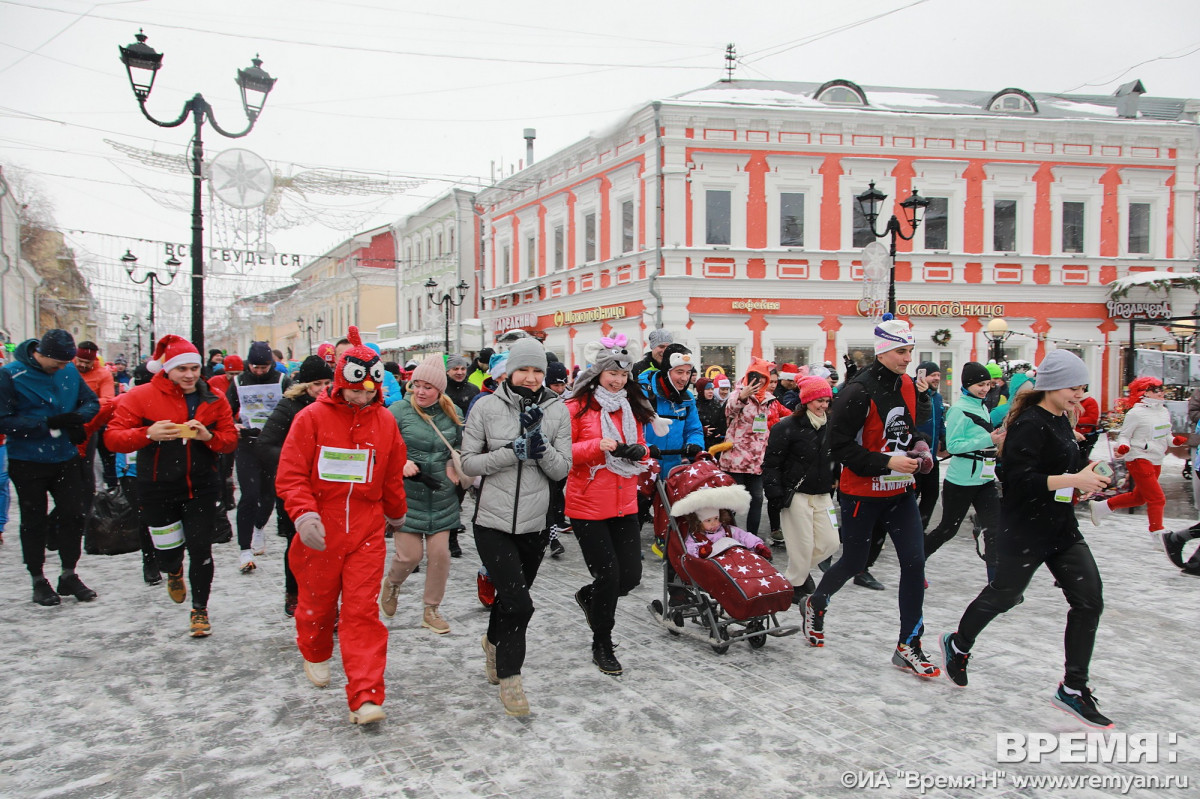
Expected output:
(113, 526)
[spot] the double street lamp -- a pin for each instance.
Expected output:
(134, 325)
(447, 299)
(870, 202)
(130, 262)
(309, 330)
(142, 63)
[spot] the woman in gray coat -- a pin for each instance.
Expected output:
(426, 416)
(518, 441)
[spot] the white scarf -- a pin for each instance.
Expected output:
(817, 421)
(610, 402)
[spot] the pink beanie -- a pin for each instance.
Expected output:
(814, 388)
(433, 371)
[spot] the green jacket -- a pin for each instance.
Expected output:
(964, 436)
(429, 511)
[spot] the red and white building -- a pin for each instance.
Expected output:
(728, 216)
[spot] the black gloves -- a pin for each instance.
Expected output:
(530, 447)
(64, 420)
(531, 418)
(655, 452)
(851, 367)
(76, 434)
(692, 450)
(632, 452)
(427, 480)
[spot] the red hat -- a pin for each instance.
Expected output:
(1139, 386)
(692, 486)
(326, 351)
(359, 368)
(173, 351)
(758, 367)
(789, 371)
(814, 388)
(233, 363)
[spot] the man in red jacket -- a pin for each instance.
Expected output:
(341, 477)
(178, 427)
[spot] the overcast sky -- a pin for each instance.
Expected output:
(439, 91)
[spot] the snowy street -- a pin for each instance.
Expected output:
(113, 699)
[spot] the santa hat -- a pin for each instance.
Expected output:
(359, 368)
(789, 371)
(892, 334)
(691, 487)
(173, 351)
(814, 388)
(1138, 388)
(722, 381)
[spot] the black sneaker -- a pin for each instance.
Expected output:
(557, 550)
(813, 624)
(583, 597)
(455, 549)
(866, 580)
(71, 585)
(955, 662)
(43, 594)
(150, 573)
(825, 564)
(289, 605)
(1173, 547)
(605, 660)
(1082, 706)
(1191, 569)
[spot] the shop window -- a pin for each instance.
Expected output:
(627, 226)
(589, 238)
(863, 235)
(796, 355)
(1139, 228)
(936, 224)
(791, 219)
(1072, 227)
(558, 248)
(1004, 226)
(717, 216)
(862, 353)
(721, 355)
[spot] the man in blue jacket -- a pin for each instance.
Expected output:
(928, 485)
(44, 405)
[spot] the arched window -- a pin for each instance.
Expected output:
(1012, 101)
(841, 92)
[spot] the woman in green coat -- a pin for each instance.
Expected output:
(971, 479)
(433, 509)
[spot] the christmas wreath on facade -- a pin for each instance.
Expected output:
(941, 337)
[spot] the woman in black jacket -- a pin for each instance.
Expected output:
(799, 477)
(314, 377)
(711, 411)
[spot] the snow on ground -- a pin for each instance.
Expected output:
(113, 699)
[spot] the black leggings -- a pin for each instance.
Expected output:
(258, 492)
(902, 520)
(1077, 575)
(754, 484)
(512, 562)
(956, 500)
(35, 482)
(288, 528)
(927, 491)
(612, 549)
(197, 516)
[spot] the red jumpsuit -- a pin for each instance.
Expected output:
(355, 551)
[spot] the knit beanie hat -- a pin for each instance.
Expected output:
(702, 384)
(930, 368)
(814, 388)
(892, 334)
(660, 336)
(359, 368)
(260, 354)
(485, 355)
(233, 363)
(87, 350)
(456, 361)
(974, 372)
(314, 368)
(498, 365)
(994, 370)
(431, 371)
(57, 344)
(392, 368)
(1061, 369)
(556, 373)
(526, 352)
(173, 351)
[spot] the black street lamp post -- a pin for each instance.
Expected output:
(135, 326)
(871, 203)
(142, 63)
(309, 330)
(997, 333)
(448, 300)
(130, 262)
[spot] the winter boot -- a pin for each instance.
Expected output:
(432, 620)
(367, 713)
(1173, 546)
(911, 658)
(512, 694)
(289, 605)
(43, 594)
(813, 624)
(455, 549)
(176, 588)
(605, 659)
(1100, 511)
(583, 598)
(955, 660)
(71, 585)
(150, 572)
(489, 652)
(317, 673)
(777, 538)
(388, 594)
(1082, 704)
(200, 626)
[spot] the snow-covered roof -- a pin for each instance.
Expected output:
(792, 94)
(1157, 281)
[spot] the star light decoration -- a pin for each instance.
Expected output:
(241, 179)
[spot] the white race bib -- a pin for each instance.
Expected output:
(832, 511)
(893, 480)
(1064, 495)
(760, 424)
(257, 403)
(168, 537)
(1161, 431)
(338, 465)
(989, 469)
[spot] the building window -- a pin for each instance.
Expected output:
(1139, 228)
(717, 218)
(589, 237)
(627, 226)
(792, 355)
(438, 243)
(791, 219)
(1072, 227)
(935, 224)
(530, 257)
(718, 355)
(505, 263)
(1012, 104)
(450, 243)
(558, 248)
(418, 252)
(863, 234)
(1004, 226)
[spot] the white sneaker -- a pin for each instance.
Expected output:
(317, 673)
(247, 562)
(258, 541)
(367, 713)
(1100, 511)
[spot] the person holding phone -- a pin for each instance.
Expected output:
(748, 430)
(1042, 473)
